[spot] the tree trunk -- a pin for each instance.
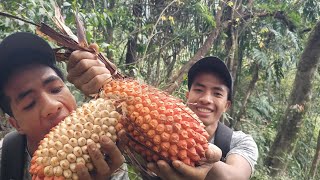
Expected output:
(109, 30)
(170, 65)
(232, 47)
(252, 84)
(297, 106)
(176, 80)
(131, 55)
(316, 159)
(156, 70)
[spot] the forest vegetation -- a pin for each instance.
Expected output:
(271, 47)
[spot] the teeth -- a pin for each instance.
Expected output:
(203, 110)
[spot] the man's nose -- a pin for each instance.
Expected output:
(50, 105)
(206, 98)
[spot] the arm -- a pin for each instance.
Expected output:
(240, 160)
(88, 74)
(236, 167)
(181, 171)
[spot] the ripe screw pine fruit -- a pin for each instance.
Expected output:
(159, 125)
(66, 144)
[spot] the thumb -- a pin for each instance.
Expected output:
(213, 154)
(182, 167)
(190, 172)
(95, 47)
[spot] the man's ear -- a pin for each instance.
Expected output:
(14, 123)
(187, 94)
(228, 104)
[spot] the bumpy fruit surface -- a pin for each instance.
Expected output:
(160, 126)
(66, 144)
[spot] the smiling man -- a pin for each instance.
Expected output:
(209, 96)
(210, 88)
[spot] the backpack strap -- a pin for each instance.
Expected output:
(13, 156)
(222, 139)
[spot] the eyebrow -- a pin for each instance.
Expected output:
(23, 94)
(219, 88)
(50, 79)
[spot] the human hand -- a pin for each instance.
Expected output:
(181, 171)
(86, 72)
(103, 169)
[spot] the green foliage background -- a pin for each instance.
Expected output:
(166, 40)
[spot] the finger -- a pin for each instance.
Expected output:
(183, 168)
(213, 154)
(94, 46)
(98, 161)
(83, 65)
(154, 168)
(199, 172)
(88, 75)
(95, 84)
(166, 171)
(122, 136)
(113, 152)
(82, 172)
(78, 55)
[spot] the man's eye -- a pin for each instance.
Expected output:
(56, 90)
(29, 106)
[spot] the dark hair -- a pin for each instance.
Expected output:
(4, 99)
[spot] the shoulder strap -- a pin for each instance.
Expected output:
(13, 156)
(222, 138)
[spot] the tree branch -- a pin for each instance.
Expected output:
(280, 15)
(178, 78)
